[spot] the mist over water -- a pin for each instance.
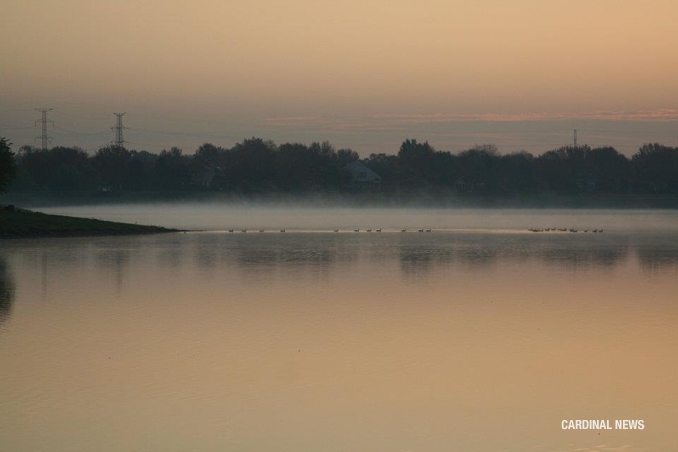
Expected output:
(315, 216)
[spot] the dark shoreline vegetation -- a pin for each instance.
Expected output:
(259, 167)
(19, 223)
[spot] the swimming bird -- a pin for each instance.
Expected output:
(369, 230)
(356, 230)
(428, 230)
(230, 230)
(261, 230)
(282, 230)
(336, 230)
(244, 230)
(403, 230)
(379, 230)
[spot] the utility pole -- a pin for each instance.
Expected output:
(46, 139)
(575, 138)
(119, 141)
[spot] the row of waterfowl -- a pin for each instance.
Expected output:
(379, 230)
(595, 231)
(335, 230)
(260, 230)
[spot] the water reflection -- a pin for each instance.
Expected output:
(296, 341)
(658, 257)
(480, 252)
(414, 254)
(116, 261)
(6, 291)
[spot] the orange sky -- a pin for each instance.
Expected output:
(236, 66)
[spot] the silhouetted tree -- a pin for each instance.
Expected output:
(563, 169)
(387, 166)
(256, 165)
(479, 166)
(416, 160)
(294, 167)
(173, 169)
(112, 163)
(656, 168)
(142, 175)
(516, 173)
(7, 165)
(608, 171)
(60, 168)
(346, 156)
(249, 166)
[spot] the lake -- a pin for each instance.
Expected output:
(478, 336)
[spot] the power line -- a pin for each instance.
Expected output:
(119, 141)
(16, 128)
(46, 139)
(82, 133)
(186, 134)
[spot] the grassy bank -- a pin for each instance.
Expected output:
(25, 223)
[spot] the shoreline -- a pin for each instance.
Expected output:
(22, 223)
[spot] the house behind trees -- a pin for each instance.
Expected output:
(357, 175)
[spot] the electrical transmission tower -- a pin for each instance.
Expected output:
(46, 139)
(119, 141)
(575, 138)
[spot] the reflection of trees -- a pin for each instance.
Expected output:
(596, 257)
(657, 259)
(258, 255)
(170, 257)
(287, 251)
(416, 253)
(115, 259)
(419, 254)
(6, 291)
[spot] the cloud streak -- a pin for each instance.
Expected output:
(366, 122)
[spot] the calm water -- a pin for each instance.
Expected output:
(479, 337)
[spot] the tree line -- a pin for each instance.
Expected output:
(257, 166)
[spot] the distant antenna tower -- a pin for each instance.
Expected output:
(46, 139)
(575, 138)
(119, 141)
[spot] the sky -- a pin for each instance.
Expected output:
(519, 74)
